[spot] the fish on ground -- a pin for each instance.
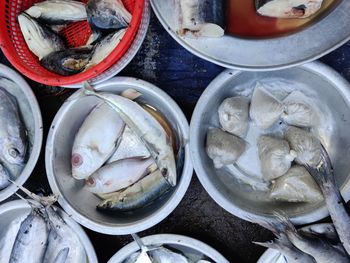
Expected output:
(95, 140)
(40, 39)
(58, 12)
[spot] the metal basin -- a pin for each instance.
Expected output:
(190, 247)
(332, 93)
(31, 117)
(18, 210)
(80, 203)
(251, 54)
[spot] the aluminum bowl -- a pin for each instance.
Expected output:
(240, 200)
(31, 117)
(80, 203)
(192, 248)
(16, 210)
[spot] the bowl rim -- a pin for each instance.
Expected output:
(163, 211)
(38, 130)
(321, 212)
(84, 239)
(174, 239)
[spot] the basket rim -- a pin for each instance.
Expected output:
(58, 80)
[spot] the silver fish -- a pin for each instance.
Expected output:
(107, 15)
(40, 39)
(4, 176)
(130, 146)
(105, 47)
(324, 176)
(58, 11)
(147, 129)
(13, 142)
(119, 175)
(138, 195)
(288, 9)
(320, 249)
(67, 62)
(96, 140)
(31, 240)
(201, 17)
(60, 238)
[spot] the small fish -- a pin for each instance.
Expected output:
(119, 175)
(95, 140)
(107, 15)
(324, 176)
(130, 146)
(4, 176)
(40, 39)
(57, 12)
(146, 128)
(63, 243)
(223, 148)
(162, 255)
(67, 62)
(201, 17)
(31, 240)
(105, 47)
(288, 9)
(13, 141)
(138, 195)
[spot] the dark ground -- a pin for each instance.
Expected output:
(183, 76)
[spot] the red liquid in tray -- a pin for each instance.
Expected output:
(243, 20)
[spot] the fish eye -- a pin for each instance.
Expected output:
(13, 152)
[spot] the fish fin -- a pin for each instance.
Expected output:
(285, 223)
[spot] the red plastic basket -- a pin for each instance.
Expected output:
(16, 50)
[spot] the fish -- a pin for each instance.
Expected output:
(324, 176)
(4, 176)
(223, 148)
(288, 9)
(200, 18)
(320, 249)
(119, 175)
(162, 255)
(146, 128)
(58, 12)
(13, 139)
(63, 242)
(67, 62)
(95, 140)
(40, 39)
(31, 239)
(138, 195)
(105, 47)
(107, 15)
(130, 146)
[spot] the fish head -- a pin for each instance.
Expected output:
(14, 150)
(82, 162)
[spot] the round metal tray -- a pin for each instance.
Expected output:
(190, 247)
(332, 93)
(281, 52)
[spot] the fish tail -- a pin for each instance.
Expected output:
(285, 224)
(268, 244)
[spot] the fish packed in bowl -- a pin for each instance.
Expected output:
(43, 26)
(125, 152)
(14, 141)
